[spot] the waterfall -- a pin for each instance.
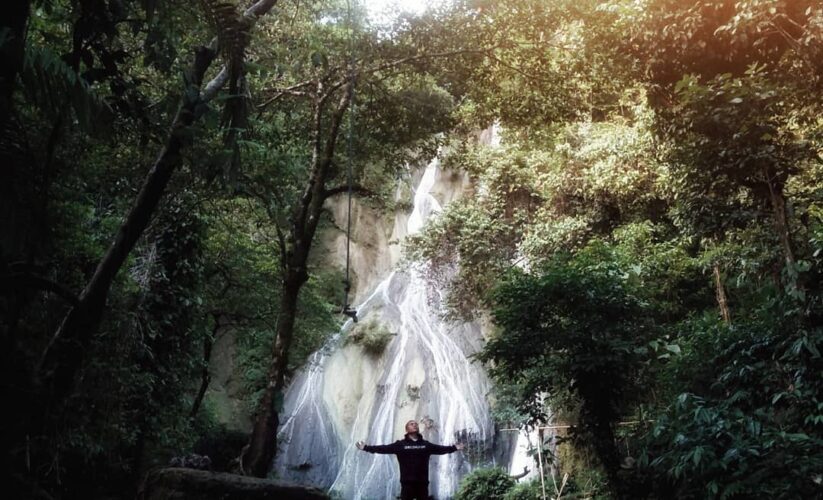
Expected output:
(344, 394)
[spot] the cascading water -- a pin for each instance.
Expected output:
(344, 395)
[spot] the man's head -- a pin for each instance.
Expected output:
(412, 427)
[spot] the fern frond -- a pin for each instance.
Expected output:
(233, 36)
(54, 87)
(233, 32)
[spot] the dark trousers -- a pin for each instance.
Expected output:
(414, 490)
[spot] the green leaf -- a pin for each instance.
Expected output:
(673, 348)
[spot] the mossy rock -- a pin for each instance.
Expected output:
(373, 336)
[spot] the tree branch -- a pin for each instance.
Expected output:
(330, 89)
(358, 189)
(292, 90)
(337, 119)
(406, 60)
(316, 165)
(273, 217)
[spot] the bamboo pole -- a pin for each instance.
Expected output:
(540, 461)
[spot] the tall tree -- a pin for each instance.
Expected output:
(65, 353)
(400, 112)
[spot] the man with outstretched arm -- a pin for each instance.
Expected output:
(413, 454)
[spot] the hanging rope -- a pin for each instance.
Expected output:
(347, 309)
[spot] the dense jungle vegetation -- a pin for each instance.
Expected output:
(647, 237)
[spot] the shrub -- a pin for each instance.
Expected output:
(750, 424)
(485, 484)
(530, 490)
(222, 446)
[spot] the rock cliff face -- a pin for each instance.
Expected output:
(375, 252)
(376, 239)
(400, 362)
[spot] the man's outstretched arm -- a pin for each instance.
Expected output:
(385, 449)
(437, 449)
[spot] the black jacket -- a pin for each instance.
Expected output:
(413, 456)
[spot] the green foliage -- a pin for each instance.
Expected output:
(583, 476)
(701, 175)
(137, 392)
(472, 235)
(750, 421)
(505, 403)
(317, 320)
(663, 268)
(660, 160)
(530, 490)
(56, 88)
(220, 445)
(575, 332)
(245, 289)
(483, 484)
(535, 200)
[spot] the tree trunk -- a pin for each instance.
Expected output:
(604, 446)
(205, 374)
(781, 222)
(66, 351)
(257, 457)
(720, 294)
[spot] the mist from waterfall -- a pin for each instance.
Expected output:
(345, 395)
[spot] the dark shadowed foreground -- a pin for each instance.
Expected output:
(191, 484)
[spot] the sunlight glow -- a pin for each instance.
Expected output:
(387, 9)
